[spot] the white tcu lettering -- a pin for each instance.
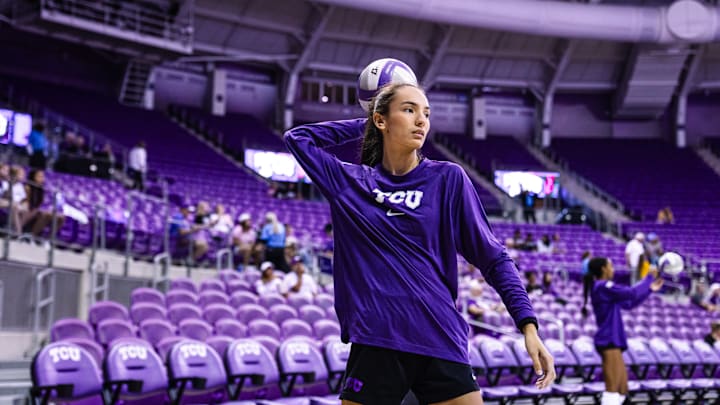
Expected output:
(65, 353)
(298, 348)
(133, 352)
(247, 348)
(411, 198)
(193, 350)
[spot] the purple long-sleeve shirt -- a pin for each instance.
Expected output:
(608, 299)
(396, 240)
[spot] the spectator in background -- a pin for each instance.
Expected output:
(272, 235)
(532, 283)
(325, 256)
(82, 147)
(6, 197)
(528, 202)
(137, 165)
(654, 248)
(665, 216)
(298, 281)
(222, 223)
(268, 282)
(587, 278)
(529, 244)
(38, 146)
(106, 153)
(545, 245)
(244, 237)
(634, 248)
(185, 230)
(69, 144)
(707, 300)
(548, 288)
(477, 306)
(35, 219)
(714, 335)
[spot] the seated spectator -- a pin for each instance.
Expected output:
(714, 335)
(268, 282)
(325, 255)
(529, 244)
(298, 281)
(272, 235)
(665, 216)
(532, 283)
(244, 237)
(707, 300)
(35, 219)
(548, 288)
(515, 241)
(69, 144)
(221, 223)
(5, 198)
(654, 248)
(182, 228)
(545, 245)
(477, 306)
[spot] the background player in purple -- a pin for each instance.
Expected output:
(400, 220)
(608, 299)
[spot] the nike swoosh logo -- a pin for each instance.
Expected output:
(390, 213)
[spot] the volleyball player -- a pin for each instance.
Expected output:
(399, 221)
(608, 299)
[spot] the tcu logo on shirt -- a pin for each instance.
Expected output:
(193, 350)
(133, 352)
(411, 198)
(64, 353)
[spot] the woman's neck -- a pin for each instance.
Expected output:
(400, 164)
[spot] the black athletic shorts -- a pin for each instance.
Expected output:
(601, 349)
(377, 376)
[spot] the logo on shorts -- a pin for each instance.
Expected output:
(353, 384)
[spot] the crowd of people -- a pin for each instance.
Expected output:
(547, 243)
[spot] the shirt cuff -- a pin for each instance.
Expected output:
(526, 321)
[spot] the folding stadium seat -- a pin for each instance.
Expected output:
(296, 301)
(92, 347)
(498, 359)
(209, 297)
(164, 346)
(197, 372)
(331, 314)
(147, 295)
(107, 310)
(311, 313)
(215, 312)
(219, 343)
(183, 284)
(709, 357)
(143, 311)
(231, 328)
(65, 372)
(135, 374)
(234, 286)
(212, 284)
(250, 363)
(270, 343)
(178, 312)
(588, 359)
(300, 362)
(226, 275)
(325, 327)
(249, 312)
(110, 329)
(296, 327)
(666, 358)
(324, 300)
(281, 312)
(155, 330)
(195, 329)
(239, 298)
(180, 297)
(264, 327)
(70, 328)
(336, 356)
(270, 300)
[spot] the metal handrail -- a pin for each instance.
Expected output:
(160, 274)
(103, 288)
(221, 253)
(41, 303)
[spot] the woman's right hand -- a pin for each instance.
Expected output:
(657, 284)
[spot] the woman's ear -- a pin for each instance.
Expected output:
(379, 121)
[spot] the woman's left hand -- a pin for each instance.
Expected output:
(543, 362)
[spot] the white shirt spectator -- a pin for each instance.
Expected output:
(137, 159)
(18, 193)
(634, 249)
(272, 287)
(308, 287)
(223, 223)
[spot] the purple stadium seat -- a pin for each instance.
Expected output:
(688, 359)
(296, 327)
(215, 312)
(297, 301)
(180, 297)
(95, 350)
(195, 329)
(639, 358)
(178, 312)
(311, 313)
(498, 359)
(209, 297)
(234, 286)
(65, 372)
(281, 312)
(135, 373)
(231, 328)
(588, 358)
(71, 328)
(331, 314)
(249, 362)
(183, 284)
(264, 327)
(710, 358)
(107, 310)
(111, 329)
(572, 332)
(336, 356)
(525, 369)
(251, 276)
(666, 358)
(298, 360)
(249, 312)
(143, 311)
(219, 343)
(324, 300)
(198, 372)
(212, 284)
(226, 275)
(164, 346)
(564, 358)
(155, 330)
(325, 327)
(270, 343)
(239, 298)
(270, 300)
(147, 295)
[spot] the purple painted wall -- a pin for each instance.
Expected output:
(703, 117)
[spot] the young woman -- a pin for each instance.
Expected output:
(399, 222)
(608, 299)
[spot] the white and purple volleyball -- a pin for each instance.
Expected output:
(380, 73)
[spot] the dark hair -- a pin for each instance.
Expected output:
(586, 254)
(39, 126)
(595, 267)
(371, 150)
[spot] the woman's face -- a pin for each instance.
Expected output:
(408, 119)
(608, 270)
